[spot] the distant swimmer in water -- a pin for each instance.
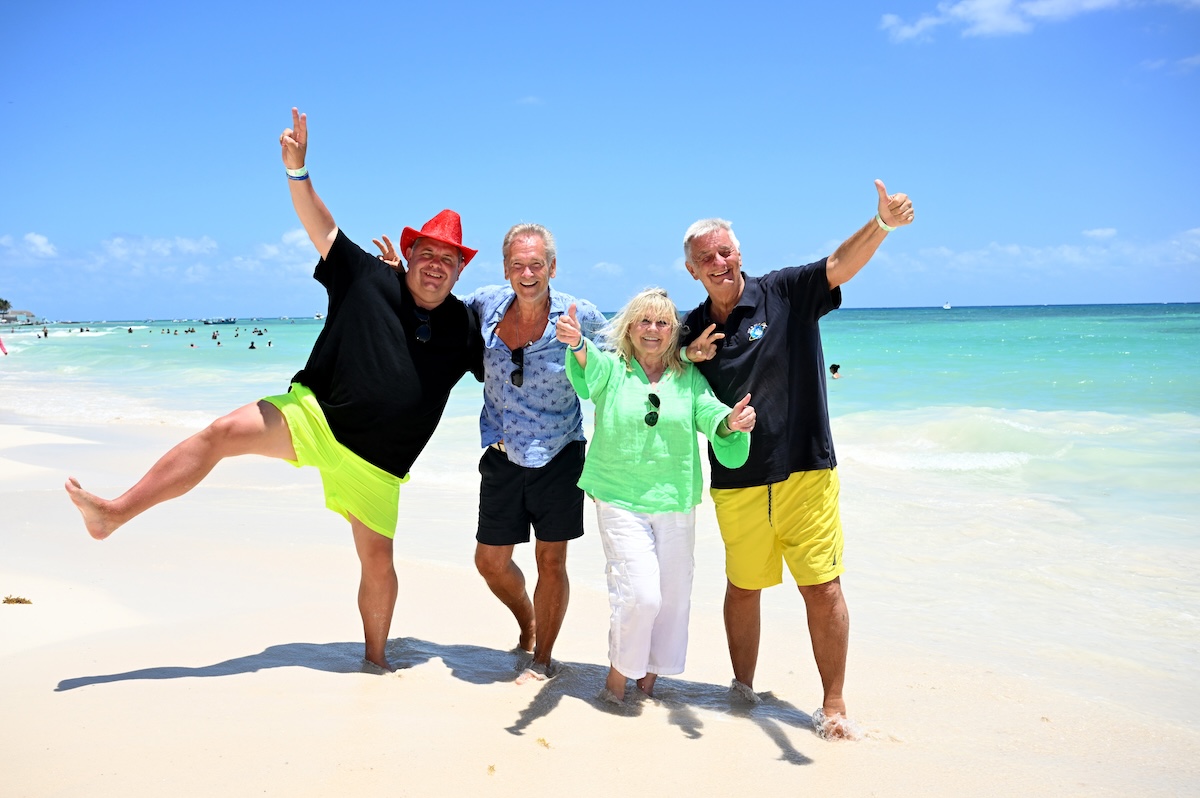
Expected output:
(833, 369)
(252, 346)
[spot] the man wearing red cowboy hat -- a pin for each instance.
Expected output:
(364, 405)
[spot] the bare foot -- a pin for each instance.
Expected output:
(538, 672)
(614, 685)
(835, 726)
(646, 683)
(99, 522)
(745, 691)
(370, 666)
(607, 697)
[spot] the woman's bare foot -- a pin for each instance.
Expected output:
(97, 518)
(615, 683)
(646, 683)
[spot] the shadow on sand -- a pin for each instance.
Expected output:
(683, 700)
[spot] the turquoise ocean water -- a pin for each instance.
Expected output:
(1020, 483)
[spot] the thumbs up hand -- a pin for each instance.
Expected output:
(567, 329)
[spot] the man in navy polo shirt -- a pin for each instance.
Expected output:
(760, 335)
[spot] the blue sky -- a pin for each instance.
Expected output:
(1049, 146)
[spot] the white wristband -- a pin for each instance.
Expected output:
(297, 173)
(887, 228)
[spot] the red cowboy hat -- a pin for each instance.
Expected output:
(445, 227)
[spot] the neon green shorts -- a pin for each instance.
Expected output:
(353, 487)
(796, 521)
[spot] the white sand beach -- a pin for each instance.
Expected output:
(212, 647)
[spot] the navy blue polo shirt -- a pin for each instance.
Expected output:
(772, 350)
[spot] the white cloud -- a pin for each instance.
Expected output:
(141, 248)
(1101, 232)
(1108, 258)
(292, 244)
(611, 269)
(1065, 9)
(296, 238)
(1003, 17)
(1191, 62)
(39, 245)
(901, 31)
(5, 241)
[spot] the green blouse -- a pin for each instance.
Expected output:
(642, 468)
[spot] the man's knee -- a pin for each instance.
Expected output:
(492, 561)
(551, 557)
(242, 431)
(741, 595)
(827, 594)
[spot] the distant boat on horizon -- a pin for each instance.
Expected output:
(220, 321)
(946, 306)
(318, 315)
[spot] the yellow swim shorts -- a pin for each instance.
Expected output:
(353, 487)
(796, 521)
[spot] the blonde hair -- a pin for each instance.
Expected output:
(650, 303)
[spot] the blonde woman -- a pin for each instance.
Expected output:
(643, 471)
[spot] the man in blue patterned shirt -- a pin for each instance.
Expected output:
(532, 430)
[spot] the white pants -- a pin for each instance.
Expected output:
(650, 567)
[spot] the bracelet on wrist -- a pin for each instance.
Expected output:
(297, 174)
(580, 346)
(884, 226)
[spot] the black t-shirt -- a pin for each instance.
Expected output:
(772, 350)
(382, 390)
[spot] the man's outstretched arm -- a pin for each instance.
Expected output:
(895, 210)
(316, 218)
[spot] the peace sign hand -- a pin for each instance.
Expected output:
(294, 141)
(389, 256)
(705, 345)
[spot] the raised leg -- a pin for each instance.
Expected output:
(257, 428)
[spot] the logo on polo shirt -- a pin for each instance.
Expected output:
(756, 332)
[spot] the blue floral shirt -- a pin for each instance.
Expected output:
(541, 417)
